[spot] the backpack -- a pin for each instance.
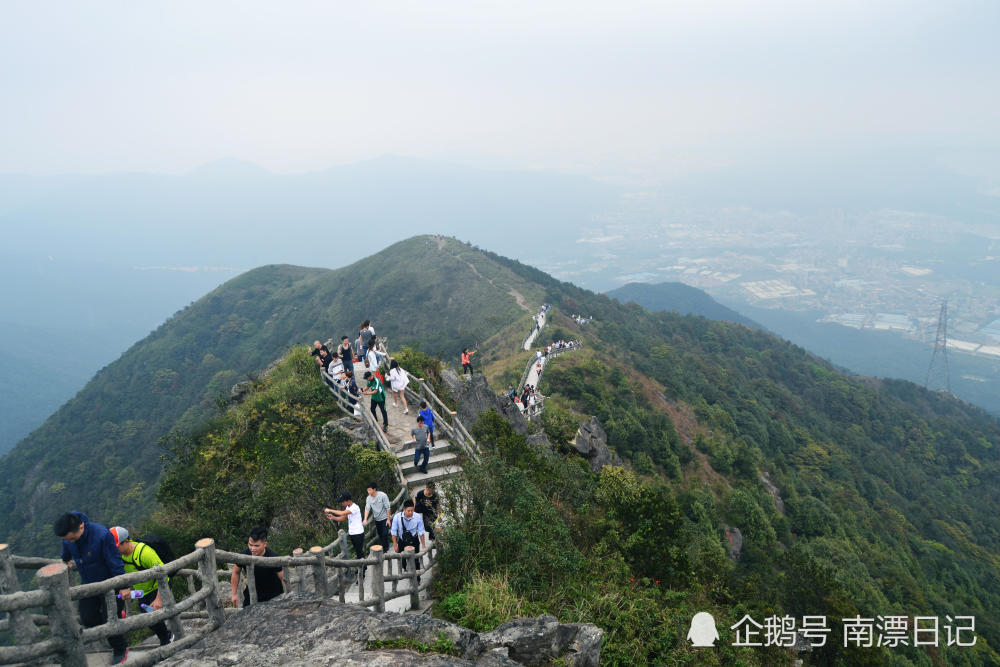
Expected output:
(157, 544)
(406, 539)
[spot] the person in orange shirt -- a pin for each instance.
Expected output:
(467, 361)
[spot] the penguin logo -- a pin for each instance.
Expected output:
(703, 632)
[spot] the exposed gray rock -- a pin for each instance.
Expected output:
(734, 542)
(353, 428)
(765, 479)
(302, 629)
(537, 641)
(240, 391)
(591, 442)
(474, 395)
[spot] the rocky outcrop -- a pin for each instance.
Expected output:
(734, 542)
(591, 442)
(304, 630)
(474, 395)
(352, 427)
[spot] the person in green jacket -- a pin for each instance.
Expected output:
(375, 389)
(139, 556)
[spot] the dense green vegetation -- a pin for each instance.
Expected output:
(99, 452)
(853, 496)
(267, 462)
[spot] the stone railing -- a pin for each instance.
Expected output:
(315, 571)
(443, 415)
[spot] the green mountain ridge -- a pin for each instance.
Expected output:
(888, 492)
(99, 451)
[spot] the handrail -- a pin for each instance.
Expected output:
(66, 643)
(444, 415)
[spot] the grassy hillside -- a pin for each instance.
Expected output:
(99, 451)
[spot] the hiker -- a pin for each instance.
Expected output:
(138, 556)
(426, 505)
(375, 389)
(317, 348)
(345, 353)
(532, 403)
(365, 333)
(419, 441)
(512, 394)
(467, 361)
(428, 416)
(379, 510)
(324, 359)
(269, 581)
(355, 530)
(397, 383)
(349, 385)
(90, 548)
(408, 531)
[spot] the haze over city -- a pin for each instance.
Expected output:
(151, 152)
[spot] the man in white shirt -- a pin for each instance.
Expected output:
(352, 514)
(408, 531)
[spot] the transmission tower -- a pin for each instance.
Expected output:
(938, 378)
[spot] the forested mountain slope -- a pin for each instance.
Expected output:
(99, 451)
(852, 496)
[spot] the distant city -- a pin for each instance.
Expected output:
(886, 270)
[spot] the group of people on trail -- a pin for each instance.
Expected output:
(406, 528)
(581, 320)
(526, 401)
(99, 553)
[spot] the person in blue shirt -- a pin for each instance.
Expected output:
(408, 531)
(428, 416)
(91, 548)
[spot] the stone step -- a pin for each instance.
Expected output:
(420, 479)
(436, 460)
(439, 446)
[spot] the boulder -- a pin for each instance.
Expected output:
(734, 542)
(539, 641)
(301, 629)
(474, 395)
(591, 442)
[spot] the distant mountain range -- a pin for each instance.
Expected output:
(679, 298)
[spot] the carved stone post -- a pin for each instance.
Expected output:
(62, 617)
(319, 572)
(167, 598)
(210, 578)
(299, 576)
(378, 578)
(411, 557)
(251, 576)
(20, 621)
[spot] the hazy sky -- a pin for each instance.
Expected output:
(643, 88)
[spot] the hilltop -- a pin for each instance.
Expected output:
(100, 450)
(758, 478)
(680, 298)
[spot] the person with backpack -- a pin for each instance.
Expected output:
(408, 531)
(375, 389)
(90, 548)
(365, 333)
(137, 556)
(426, 505)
